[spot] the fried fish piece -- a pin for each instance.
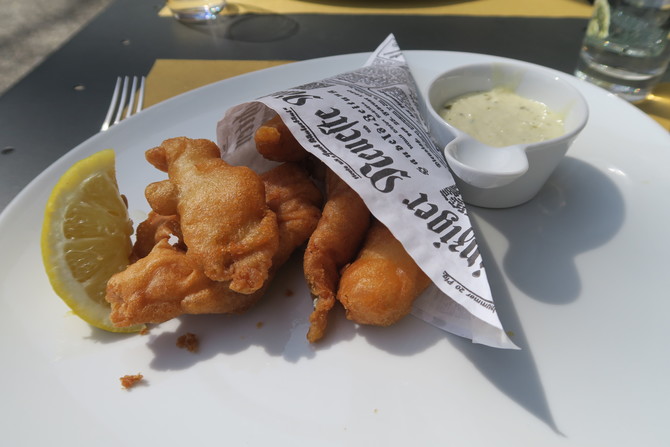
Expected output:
(296, 201)
(379, 287)
(275, 142)
(334, 243)
(169, 282)
(223, 215)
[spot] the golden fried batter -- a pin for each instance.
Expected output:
(275, 142)
(152, 230)
(169, 282)
(297, 202)
(225, 221)
(130, 380)
(334, 243)
(381, 285)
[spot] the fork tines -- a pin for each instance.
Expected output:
(127, 100)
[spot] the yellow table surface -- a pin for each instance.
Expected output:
(518, 8)
(171, 77)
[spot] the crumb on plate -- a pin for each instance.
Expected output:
(130, 380)
(189, 342)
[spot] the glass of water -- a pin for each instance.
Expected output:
(625, 49)
(196, 10)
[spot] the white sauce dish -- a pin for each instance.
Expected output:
(501, 177)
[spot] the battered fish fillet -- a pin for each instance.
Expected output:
(334, 243)
(380, 286)
(275, 142)
(168, 282)
(225, 221)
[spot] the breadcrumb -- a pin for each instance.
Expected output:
(188, 341)
(130, 380)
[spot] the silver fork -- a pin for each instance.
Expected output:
(126, 101)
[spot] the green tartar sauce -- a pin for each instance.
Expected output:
(500, 117)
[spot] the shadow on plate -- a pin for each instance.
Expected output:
(104, 337)
(280, 330)
(278, 324)
(578, 210)
(407, 337)
(513, 372)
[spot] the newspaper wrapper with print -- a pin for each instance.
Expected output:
(365, 125)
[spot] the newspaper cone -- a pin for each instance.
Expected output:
(365, 125)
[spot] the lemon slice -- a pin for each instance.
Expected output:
(599, 25)
(86, 238)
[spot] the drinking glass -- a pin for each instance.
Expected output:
(196, 10)
(625, 49)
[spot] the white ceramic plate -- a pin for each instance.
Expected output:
(579, 276)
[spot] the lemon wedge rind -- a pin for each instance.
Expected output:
(86, 238)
